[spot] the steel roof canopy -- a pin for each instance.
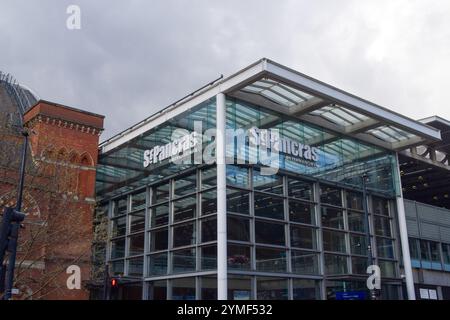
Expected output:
(280, 88)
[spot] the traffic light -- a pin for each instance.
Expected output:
(114, 283)
(9, 233)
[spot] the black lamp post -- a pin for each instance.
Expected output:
(16, 225)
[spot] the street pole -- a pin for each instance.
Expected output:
(16, 226)
(366, 216)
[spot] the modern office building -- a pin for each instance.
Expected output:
(282, 206)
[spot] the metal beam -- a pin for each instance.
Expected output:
(362, 126)
(307, 106)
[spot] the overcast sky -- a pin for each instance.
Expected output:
(132, 58)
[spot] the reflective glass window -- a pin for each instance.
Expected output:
(157, 290)
(385, 248)
(304, 289)
(185, 185)
(209, 229)
(301, 212)
(238, 228)
(136, 244)
(270, 233)
(159, 239)
(119, 227)
(137, 221)
(303, 237)
(138, 201)
(184, 208)
(354, 200)
(300, 189)
(120, 206)
(239, 287)
(160, 215)
(237, 176)
(335, 264)
(356, 221)
(184, 234)
(267, 183)
(380, 206)
(271, 288)
(382, 226)
(333, 241)
(270, 260)
(238, 257)
(269, 206)
(330, 195)
(135, 267)
(332, 218)
(209, 177)
(209, 257)
(209, 202)
(183, 260)
(117, 249)
(183, 288)
(160, 193)
(157, 264)
(305, 262)
(358, 244)
(238, 201)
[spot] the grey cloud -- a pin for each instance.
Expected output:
(132, 58)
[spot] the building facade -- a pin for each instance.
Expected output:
(294, 200)
(59, 197)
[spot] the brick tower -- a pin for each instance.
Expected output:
(64, 147)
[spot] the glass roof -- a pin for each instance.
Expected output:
(300, 103)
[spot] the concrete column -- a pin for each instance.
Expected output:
(404, 239)
(222, 281)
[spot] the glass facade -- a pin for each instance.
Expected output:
(299, 233)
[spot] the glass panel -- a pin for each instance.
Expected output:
(209, 257)
(446, 253)
(137, 221)
(157, 290)
(299, 189)
(138, 201)
(209, 288)
(209, 229)
(160, 193)
(120, 207)
(269, 233)
(304, 262)
(238, 228)
(238, 257)
(425, 254)
(330, 195)
(270, 260)
(239, 287)
(238, 201)
(332, 218)
(356, 221)
(333, 241)
(183, 289)
(269, 206)
(157, 264)
(303, 237)
(267, 183)
(117, 249)
(380, 206)
(272, 288)
(209, 178)
(184, 208)
(209, 202)
(159, 239)
(385, 248)
(387, 268)
(335, 264)
(306, 289)
(185, 185)
(382, 226)
(414, 249)
(160, 215)
(183, 260)
(136, 244)
(184, 234)
(354, 201)
(301, 212)
(117, 267)
(359, 265)
(119, 227)
(435, 256)
(358, 244)
(136, 267)
(237, 176)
